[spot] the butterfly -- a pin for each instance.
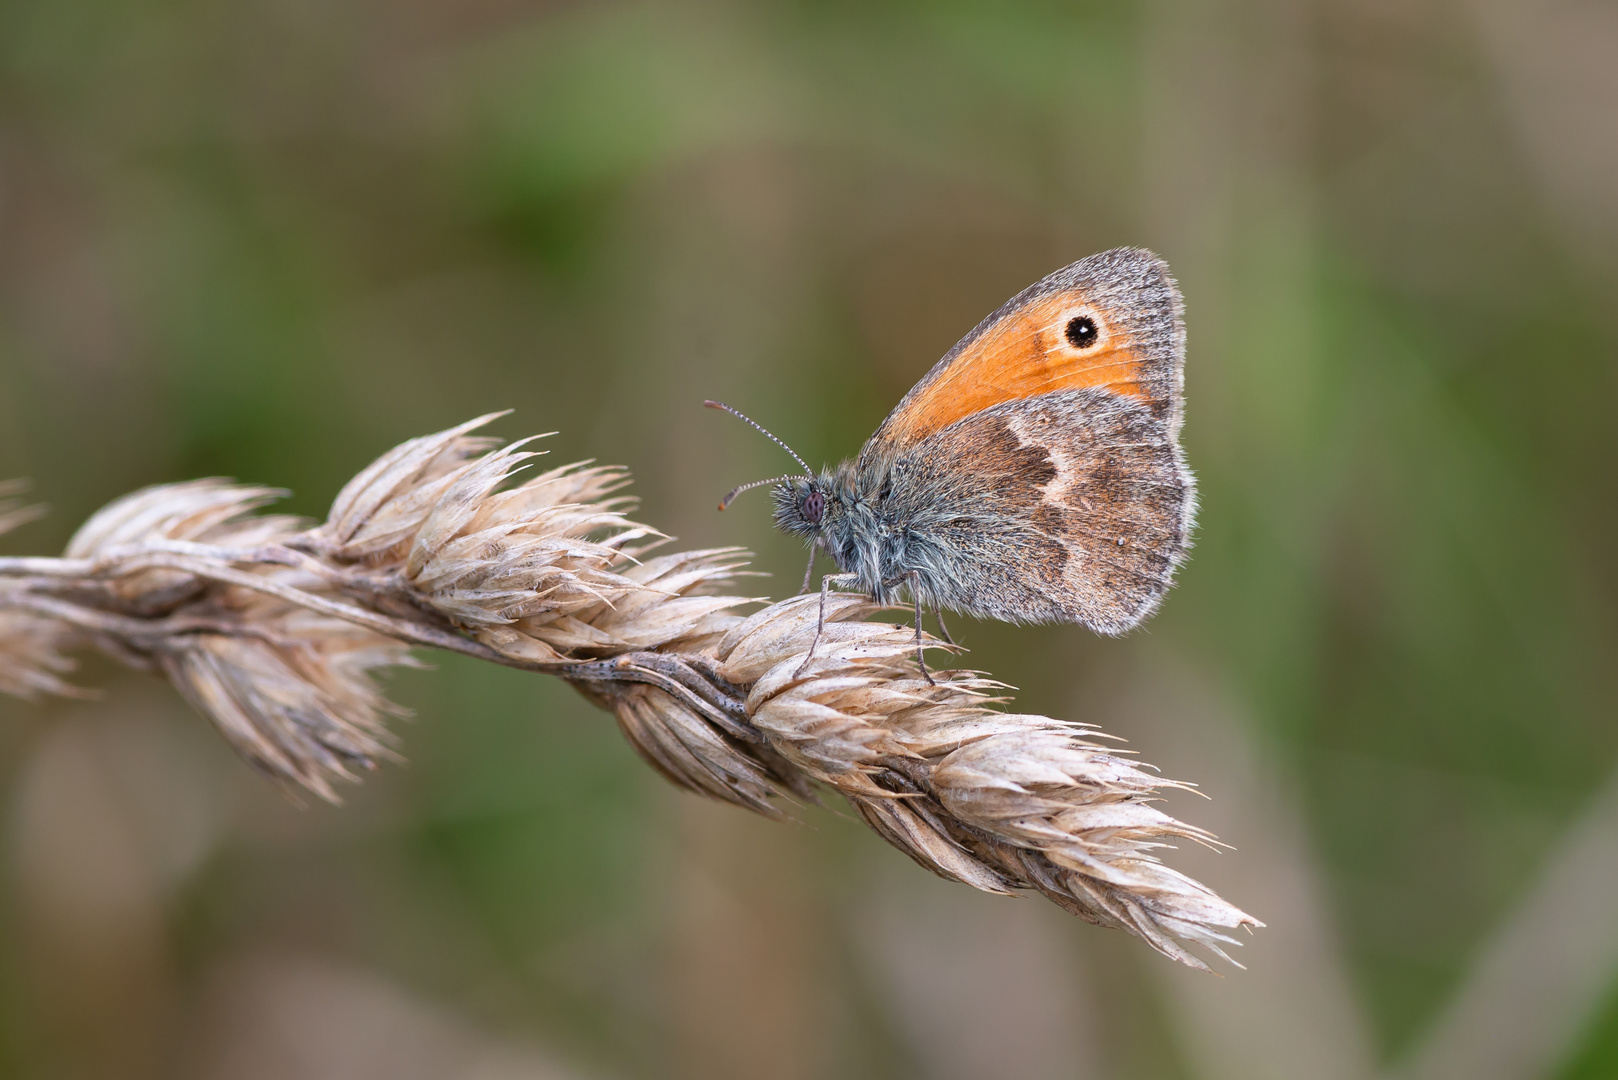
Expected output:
(1034, 475)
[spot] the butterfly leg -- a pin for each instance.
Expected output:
(820, 623)
(915, 595)
(942, 629)
(809, 571)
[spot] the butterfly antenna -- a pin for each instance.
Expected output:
(749, 487)
(761, 429)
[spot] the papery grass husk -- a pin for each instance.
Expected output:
(297, 702)
(274, 628)
(13, 511)
(997, 800)
(33, 648)
(33, 655)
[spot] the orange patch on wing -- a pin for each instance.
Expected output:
(1023, 356)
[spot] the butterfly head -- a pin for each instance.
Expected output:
(803, 504)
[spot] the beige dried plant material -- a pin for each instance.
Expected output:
(33, 655)
(13, 511)
(274, 629)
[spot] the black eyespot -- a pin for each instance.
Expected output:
(814, 507)
(1082, 332)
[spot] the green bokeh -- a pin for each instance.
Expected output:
(268, 240)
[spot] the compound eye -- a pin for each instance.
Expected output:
(814, 507)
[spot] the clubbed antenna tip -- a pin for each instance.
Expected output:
(735, 491)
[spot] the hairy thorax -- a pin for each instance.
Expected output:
(867, 532)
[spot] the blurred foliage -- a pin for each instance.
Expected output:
(268, 239)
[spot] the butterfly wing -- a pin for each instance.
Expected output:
(1025, 349)
(1044, 476)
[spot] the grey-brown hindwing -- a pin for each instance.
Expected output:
(1074, 506)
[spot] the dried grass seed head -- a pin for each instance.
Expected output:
(381, 510)
(995, 799)
(297, 699)
(693, 754)
(33, 656)
(544, 549)
(544, 570)
(214, 511)
(743, 709)
(289, 688)
(676, 605)
(13, 511)
(32, 649)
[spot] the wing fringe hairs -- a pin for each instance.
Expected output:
(271, 627)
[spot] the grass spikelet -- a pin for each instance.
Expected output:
(33, 655)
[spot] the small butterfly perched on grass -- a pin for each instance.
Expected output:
(1034, 475)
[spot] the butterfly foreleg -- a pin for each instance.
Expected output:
(915, 596)
(943, 631)
(820, 623)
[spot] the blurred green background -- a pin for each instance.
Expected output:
(270, 238)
